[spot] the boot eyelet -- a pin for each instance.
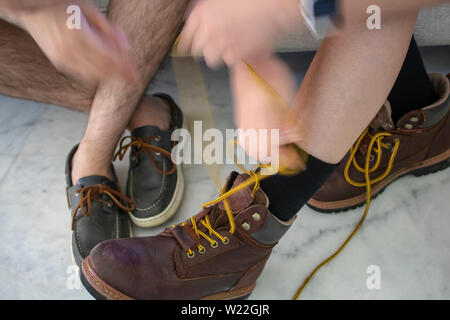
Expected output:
(158, 139)
(372, 158)
(414, 119)
(388, 146)
(256, 216)
(190, 255)
(226, 241)
(246, 226)
(214, 245)
(202, 250)
(408, 126)
(109, 204)
(158, 154)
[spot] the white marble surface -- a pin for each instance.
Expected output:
(406, 233)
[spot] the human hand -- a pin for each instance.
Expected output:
(93, 53)
(234, 30)
(262, 100)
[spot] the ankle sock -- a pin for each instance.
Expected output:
(288, 194)
(413, 88)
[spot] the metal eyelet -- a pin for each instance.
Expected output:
(158, 154)
(226, 241)
(256, 216)
(158, 139)
(372, 157)
(246, 226)
(214, 245)
(202, 250)
(408, 126)
(109, 204)
(388, 146)
(414, 119)
(190, 255)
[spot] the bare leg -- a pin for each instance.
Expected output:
(26, 73)
(348, 82)
(151, 27)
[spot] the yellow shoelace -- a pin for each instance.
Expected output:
(256, 177)
(367, 170)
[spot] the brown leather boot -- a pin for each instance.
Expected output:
(202, 258)
(419, 144)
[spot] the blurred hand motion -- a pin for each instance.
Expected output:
(234, 30)
(267, 106)
(93, 53)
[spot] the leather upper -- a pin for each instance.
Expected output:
(106, 221)
(152, 191)
(159, 268)
(423, 133)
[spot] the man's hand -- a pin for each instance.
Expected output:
(93, 53)
(260, 107)
(234, 30)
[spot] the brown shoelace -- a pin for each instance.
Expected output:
(144, 145)
(94, 193)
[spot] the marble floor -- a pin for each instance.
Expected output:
(406, 234)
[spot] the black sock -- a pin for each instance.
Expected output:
(288, 194)
(413, 88)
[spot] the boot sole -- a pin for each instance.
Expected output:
(102, 291)
(435, 164)
(169, 212)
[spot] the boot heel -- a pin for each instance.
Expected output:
(432, 169)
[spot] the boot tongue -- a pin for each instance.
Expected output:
(383, 119)
(381, 122)
(241, 199)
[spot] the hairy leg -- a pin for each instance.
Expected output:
(151, 27)
(26, 73)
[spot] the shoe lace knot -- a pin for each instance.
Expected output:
(145, 145)
(95, 193)
(376, 145)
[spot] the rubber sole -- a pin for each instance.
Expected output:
(102, 291)
(169, 212)
(420, 171)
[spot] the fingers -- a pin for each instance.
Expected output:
(196, 40)
(115, 46)
(188, 33)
